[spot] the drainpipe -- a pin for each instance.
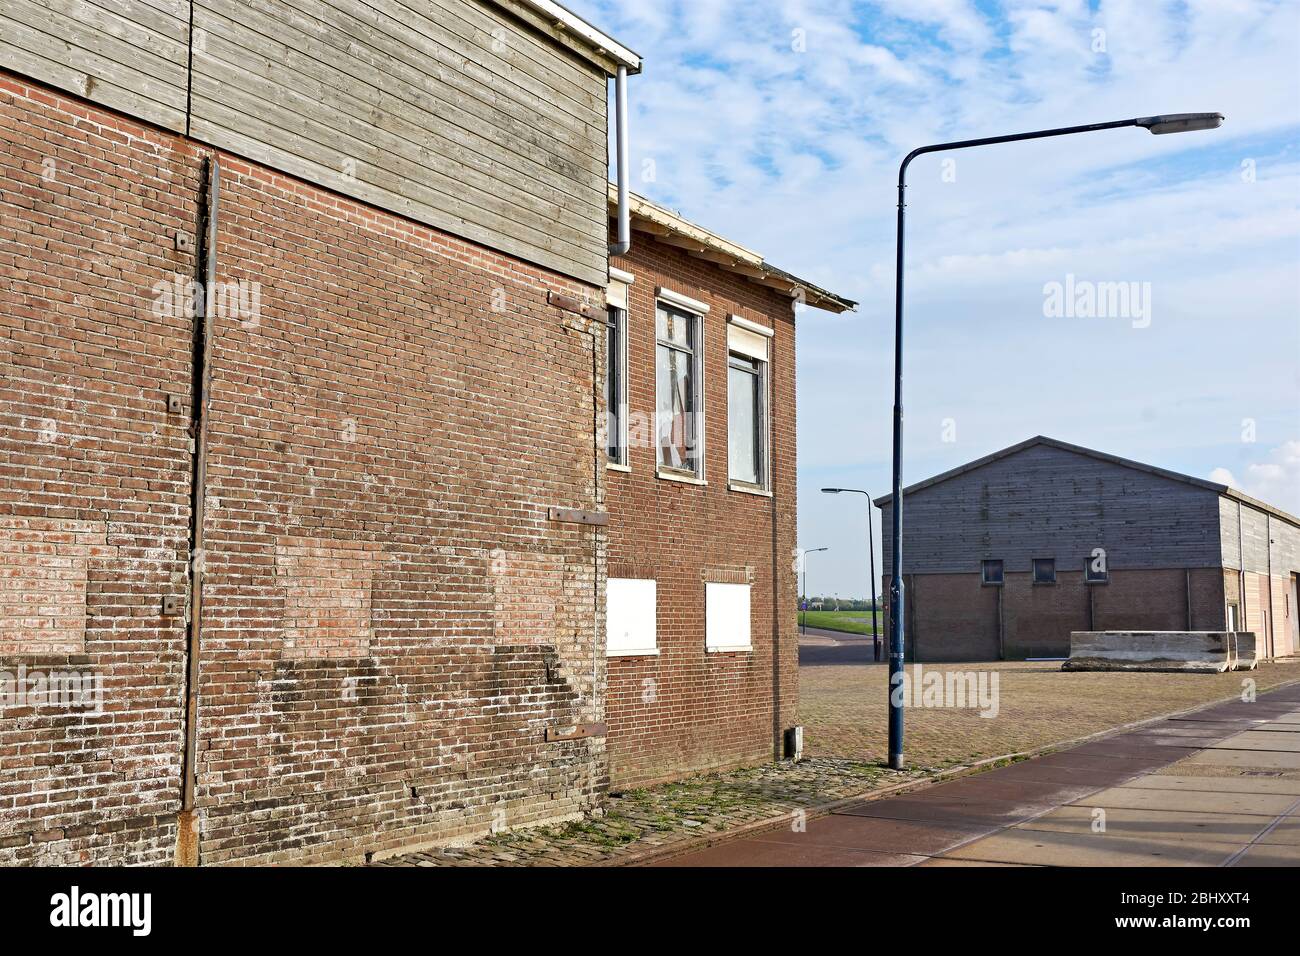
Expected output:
(621, 246)
(187, 838)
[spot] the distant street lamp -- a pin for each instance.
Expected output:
(803, 613)
(1169, 123)
(871, 550)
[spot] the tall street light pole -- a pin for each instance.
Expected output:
(803, 615)
(1169, 123)
(871, 550)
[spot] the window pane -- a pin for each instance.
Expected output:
(613, 384)
(673, 327)
(742, 424)
(676, 426)
(1044, 570)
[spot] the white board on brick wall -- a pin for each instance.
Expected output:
(726, 617)
(630, 617)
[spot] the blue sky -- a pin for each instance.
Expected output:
(780, 125)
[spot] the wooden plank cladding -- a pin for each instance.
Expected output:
(467, 115)
(129, 55)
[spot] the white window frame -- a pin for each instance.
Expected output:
(697, 310)
(632, 596)
(727, 628)
(764, 436)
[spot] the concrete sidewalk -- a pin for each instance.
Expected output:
(1217, 787)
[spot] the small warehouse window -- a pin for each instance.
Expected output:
(1044, 570)
(726, 617)
(1094, 570)
(630, 617)
(991, 572)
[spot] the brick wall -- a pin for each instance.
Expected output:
(94, 476)
(953, 617)
(687, 709)
(390, 420)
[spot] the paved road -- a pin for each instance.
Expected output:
(1217, 787)
(821, 646)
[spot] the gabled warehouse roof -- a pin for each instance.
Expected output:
(1214, 486)
(668, 227)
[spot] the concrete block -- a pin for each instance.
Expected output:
(1211, 652)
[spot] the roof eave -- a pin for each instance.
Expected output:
(672, 229)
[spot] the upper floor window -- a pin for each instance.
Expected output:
(679, 421)
(1044, 570)
(616, 385)
(747, 404)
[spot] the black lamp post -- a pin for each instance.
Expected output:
(871, 550)
(1170, 123)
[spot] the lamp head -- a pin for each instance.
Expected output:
(1180, 122)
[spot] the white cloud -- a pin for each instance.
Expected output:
(1275, 479)
(795, 154)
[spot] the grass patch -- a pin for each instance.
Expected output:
(852, 622)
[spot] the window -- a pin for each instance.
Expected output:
(991, 572)
(616, 385)
(630, 617)
(1232, 618)
(747, 404)
(1094, 570)
(726, 617)
(1044, 570)
(677, 358)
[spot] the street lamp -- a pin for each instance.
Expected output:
(1159, 125)
(803, 614)
(871, 550)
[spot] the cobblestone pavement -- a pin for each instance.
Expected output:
(641, 821)
(842, 708)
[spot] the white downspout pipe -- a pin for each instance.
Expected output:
(623, 243)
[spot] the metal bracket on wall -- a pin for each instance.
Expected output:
(574, 516)
(576, 732)
(571, 303)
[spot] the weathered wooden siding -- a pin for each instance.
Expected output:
(130, 55)
(443, 110)
(451, 112)
(1047, 502)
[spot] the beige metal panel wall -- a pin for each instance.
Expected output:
(129, 55)
(446, 111)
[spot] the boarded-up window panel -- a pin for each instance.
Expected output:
(727, 621)
(44, 568)
(630, 617)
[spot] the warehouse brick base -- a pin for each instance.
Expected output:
(389, 623)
